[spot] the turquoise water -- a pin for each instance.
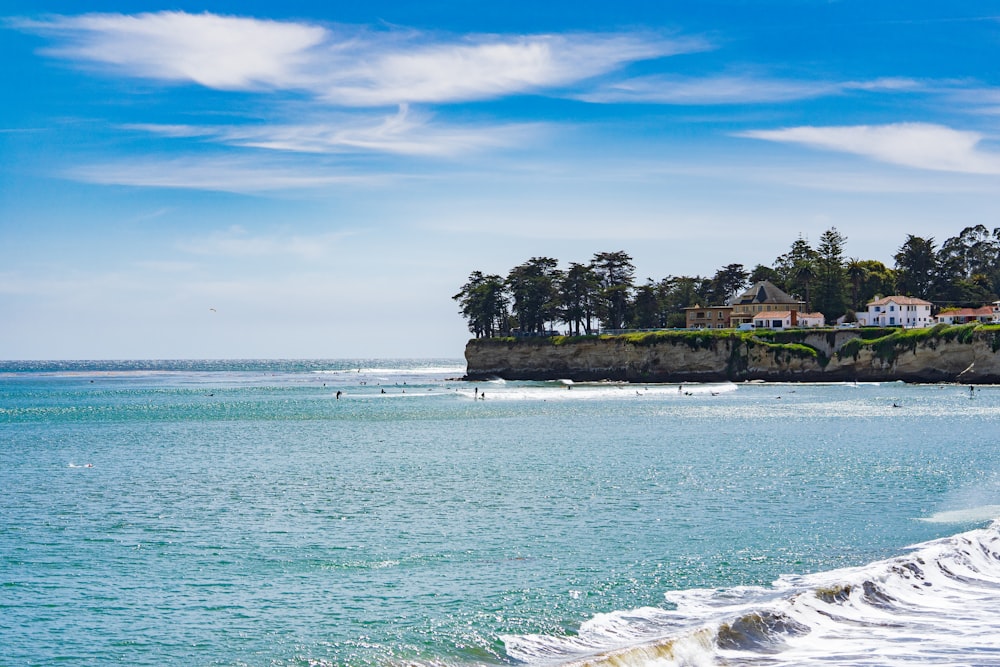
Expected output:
(239, 513)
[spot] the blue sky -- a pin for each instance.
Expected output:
(307, 179)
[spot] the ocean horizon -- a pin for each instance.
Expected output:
(384, 512)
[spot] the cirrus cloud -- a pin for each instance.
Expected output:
(345, 66)
(917, 145)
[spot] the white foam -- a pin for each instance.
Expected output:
(967, 515)
(935, 605)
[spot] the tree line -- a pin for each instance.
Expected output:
(536, 296)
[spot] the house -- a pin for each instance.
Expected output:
(966, 315)
(707, 317)
(811, 320)
(897, 311)
(775, 319)
(763, 296)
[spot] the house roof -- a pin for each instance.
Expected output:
(773, 315)
(812, 315)
(764, 292)
(900, 301)
(982, 311)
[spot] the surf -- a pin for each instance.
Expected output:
(935, 604)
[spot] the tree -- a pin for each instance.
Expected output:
(878, 280)
(761, 273)
(803, 274)
(796, 269)
(974, 252)
(615, 273)
(577, 296)
(916, 267)
(532, 287)
(483, 304)
(831, 280)
(679, 293)
(856, 273)
(728, 282)
(646, 310)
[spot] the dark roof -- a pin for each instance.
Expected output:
(763, 292)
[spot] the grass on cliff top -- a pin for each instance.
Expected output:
(890, 345)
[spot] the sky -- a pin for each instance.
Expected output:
(317, 179)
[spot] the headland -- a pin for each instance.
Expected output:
(965, 353)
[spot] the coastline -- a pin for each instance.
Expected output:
(966, 354)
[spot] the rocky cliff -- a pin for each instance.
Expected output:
(967, 354)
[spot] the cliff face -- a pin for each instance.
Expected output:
(808, 357)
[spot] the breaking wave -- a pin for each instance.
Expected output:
(936, 604)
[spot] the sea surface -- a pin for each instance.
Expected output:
(240, 513)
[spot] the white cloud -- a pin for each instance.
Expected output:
(487, 67)
(918, 145)
(403, 133)
(237, 242)
(730, 89)
(224, 52)
(214, 174)
(348, 67)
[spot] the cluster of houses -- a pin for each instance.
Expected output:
(765, 306)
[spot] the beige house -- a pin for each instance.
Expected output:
(762, 297)
(708, 317)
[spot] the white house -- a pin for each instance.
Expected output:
(775, 319)
(897, 311)
(810, 320)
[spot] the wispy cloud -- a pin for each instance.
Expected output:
(224, 52)
(731, 89)
(343, 66)
(917, 145)
(217, 174)
(405, 133)
(238, 242)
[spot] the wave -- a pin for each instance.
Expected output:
(935, 605)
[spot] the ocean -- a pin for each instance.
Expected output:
(241, 513)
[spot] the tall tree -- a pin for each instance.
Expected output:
(796, 269)
(916, 267)
(856, 273)
(728, 282)
(831, 280)
(682, 292)
(646, 309)
(532, 287)
(484, 304)
(615, 273)
(577, 296)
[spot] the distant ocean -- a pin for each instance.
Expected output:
(240, 513)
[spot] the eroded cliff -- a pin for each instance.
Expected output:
(943, 354)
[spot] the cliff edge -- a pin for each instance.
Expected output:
(966, 353)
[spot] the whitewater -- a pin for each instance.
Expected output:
(384, 512)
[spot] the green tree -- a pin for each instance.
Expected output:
(532, 288)
(682, 292)
(615, 274)
(761, 273)
(796, 269)
(646, 307)
(831, 279)
(878, 280)
(577, 297)
(484, 304)
(916, 267)
(856, 273)
(728, 282)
